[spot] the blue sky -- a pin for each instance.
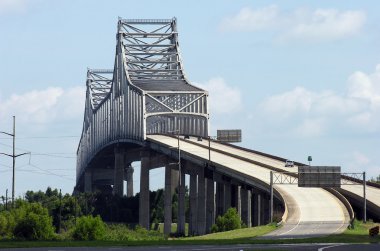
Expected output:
(298, 77)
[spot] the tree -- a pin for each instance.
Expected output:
(229, 221)
(89, 228)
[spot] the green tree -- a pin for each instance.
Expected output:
(32, 221)
(89, 228)
(229, 221)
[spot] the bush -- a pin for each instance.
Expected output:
(121, 232)
(229, 221)
(29, 221)
(89, 228)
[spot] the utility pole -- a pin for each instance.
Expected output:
(60, 211)
(6, 199)
(14, 156)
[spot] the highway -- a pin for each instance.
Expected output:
(372, 193)
(311, 211)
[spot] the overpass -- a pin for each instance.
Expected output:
(133, 111)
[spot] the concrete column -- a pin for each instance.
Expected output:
(88, 181)
(265, 208)
(210, 205)
(118, 172)
(201, 218)
(219, 198)
(244, 205)
(168, 201)
(130, 171)
(249, 210)
(181, 205)
(144, 217)
(174, 180)
(238, 199)
(227, 196)
(193, 204)
(254, 208)
(257, 209)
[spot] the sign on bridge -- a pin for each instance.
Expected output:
(319, 176)
(230, 136)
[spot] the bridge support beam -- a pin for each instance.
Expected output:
(246, 206)
(237, 198)
(169, 172)
(193, 204)
(119, 172)
(210, 205)
(181, 204)
(219, 198)
(144, 218)
(201, 218)
(129, 176)
(227, 196)
(257, 209)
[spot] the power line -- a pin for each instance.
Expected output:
(47, 137)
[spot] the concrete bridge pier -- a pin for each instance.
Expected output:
(118, 187)
(193, 204)
(227, 195)
(257, 208)
(129, 178)
(236, 198)
(219, 197)
(144, 203)
(246, 206)
(168, 196)
(201, 217)
(181, 204)
(210, 203)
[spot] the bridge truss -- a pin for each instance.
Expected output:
(147, 92)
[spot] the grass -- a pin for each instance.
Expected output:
(237, 234)
(359, 234)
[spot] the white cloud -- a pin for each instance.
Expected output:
(43, 106)
(304, 24)
(314, 113)
(252, 20)
(222, 97)
(12, 5)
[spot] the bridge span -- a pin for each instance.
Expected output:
(131, 111)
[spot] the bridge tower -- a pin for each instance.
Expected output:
(147, 92)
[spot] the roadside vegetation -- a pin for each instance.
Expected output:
(49, 219)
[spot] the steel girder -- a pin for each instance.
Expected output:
(147, 91)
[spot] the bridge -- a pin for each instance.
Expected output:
(146, 110)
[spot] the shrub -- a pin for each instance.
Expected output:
(31, 222)
(89, 228)
(229, 221)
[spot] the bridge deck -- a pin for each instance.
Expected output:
(372, 193)
(309, 208)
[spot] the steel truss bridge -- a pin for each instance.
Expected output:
(141, 111)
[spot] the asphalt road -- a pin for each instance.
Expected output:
(242, 247)
(311, 211)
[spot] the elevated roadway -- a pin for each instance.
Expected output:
(309, 211)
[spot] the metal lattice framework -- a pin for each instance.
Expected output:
(147, 92)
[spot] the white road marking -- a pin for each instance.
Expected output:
(335, 245)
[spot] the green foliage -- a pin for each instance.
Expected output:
(229, 221)
(28, 221)
(89, 228)
(121, 232)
